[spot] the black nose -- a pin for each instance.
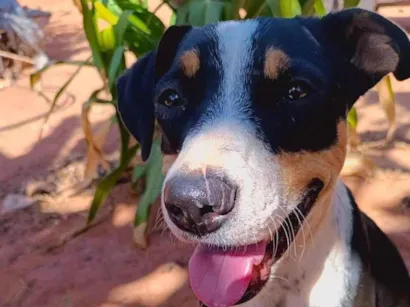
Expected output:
(197, 204)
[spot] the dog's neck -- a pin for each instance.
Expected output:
(318, 269)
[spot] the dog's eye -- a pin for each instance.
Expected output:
(170, 98)
(298, 90)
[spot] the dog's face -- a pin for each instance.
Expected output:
(255, 114)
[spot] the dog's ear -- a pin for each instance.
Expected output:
(372, 43)
(135, 88)
(135, 106)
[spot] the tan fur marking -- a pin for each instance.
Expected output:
(275, 61)
(374, 52)
(298, 169)
(167, 161)
(190, 63)
(363, 22)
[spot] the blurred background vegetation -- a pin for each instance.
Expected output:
(116, 27)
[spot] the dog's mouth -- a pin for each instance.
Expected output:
(227, 277)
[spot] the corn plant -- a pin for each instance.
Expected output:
(133, 28)
(130, 27)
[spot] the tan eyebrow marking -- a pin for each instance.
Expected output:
(275, 61)
(190, 62)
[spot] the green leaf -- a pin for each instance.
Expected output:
(308, 7)
(111, 18)
(155, 25)
(320, 8)
(152, 21)
(136, 40)
(213, 12)
(256, 8)
(104, 13)
(106, 184)
(154, 179)
(121, 27)
(36, 76)
(197, 10)
(352, 118)
(274, 6)
(227, 12)
(91, 34)
(351, 3)
(116, 62)
(173, 19)
(61, 91)
(182, 14)
(290, 8)
(106, 39)
(138, 172)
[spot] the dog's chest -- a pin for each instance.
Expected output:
(326, 276)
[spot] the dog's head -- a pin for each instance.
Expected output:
(255, 113)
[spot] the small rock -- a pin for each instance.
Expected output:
(39, 187)
(14, 202)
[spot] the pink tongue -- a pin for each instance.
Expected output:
(220, 278)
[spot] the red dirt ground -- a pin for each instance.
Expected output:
(43, 262)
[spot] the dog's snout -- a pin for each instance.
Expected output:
(199, 204)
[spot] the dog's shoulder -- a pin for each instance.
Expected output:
(383, 270)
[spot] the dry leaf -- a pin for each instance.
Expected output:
(353, 137)
(94, 144)
(357, 164)
(387, 101)
(140, 235)
(77, 4)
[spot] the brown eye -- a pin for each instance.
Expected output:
(170, 98)
(298, 91)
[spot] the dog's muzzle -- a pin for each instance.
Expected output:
(221, 276)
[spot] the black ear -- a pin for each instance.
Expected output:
(372, 43)
(135, 88)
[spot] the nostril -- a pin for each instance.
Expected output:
(175, 211)
(227, 200)
(206, 209)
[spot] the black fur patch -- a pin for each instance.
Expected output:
(381, 260)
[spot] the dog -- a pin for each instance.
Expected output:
(253, 115)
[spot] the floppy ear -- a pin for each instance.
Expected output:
(135, 88)
(373, 44)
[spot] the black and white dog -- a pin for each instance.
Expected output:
(254, 113)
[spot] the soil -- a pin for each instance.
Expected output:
(45, 257)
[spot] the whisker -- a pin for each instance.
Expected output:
(281, 278)
(309, 229)
(276, 242)
(300, 221)
(270, 233)
(293, 233)
(288, 240)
